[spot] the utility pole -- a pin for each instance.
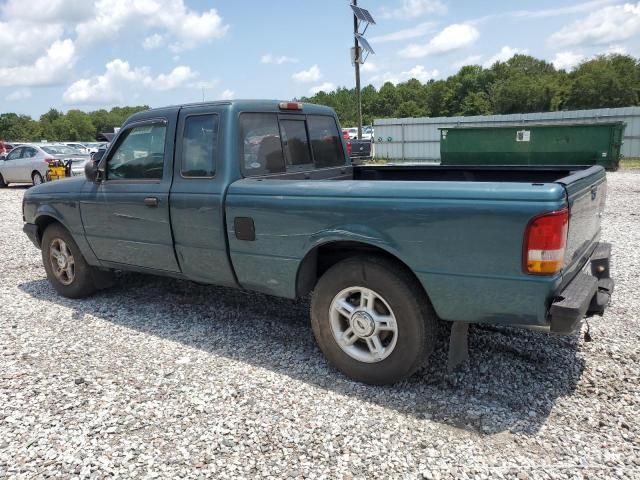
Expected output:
(360, 17)
(357, 66)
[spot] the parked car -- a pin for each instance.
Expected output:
(347, 138)
(360, 149)
(385, 251)
(353, 132)
(93, 147)
(80, 147)
(29, 163)
(367, 133)
(66, 153)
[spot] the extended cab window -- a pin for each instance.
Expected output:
(261, 145)
(199, 146)
(139, 155)
(326, 141)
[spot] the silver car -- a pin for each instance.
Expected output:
(29, 163)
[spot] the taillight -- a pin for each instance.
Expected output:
(50, 160)
(349, 148)
(545, 240)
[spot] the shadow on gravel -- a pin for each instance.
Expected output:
(511, 382)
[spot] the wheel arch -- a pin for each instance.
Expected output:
(322, 257)
(43, 220)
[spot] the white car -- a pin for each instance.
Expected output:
(80, 147)
(30, 163)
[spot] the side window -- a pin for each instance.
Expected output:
(15, 153)
(325, 141)
(296, 145)
(29, 152)
(139, 155)
(199, 146)
(261, 149)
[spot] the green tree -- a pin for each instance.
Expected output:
(606, 81)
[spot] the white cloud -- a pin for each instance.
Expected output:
(413, 9)
(187, 27)
(470, 60)
(21, 42)
(556, 12)
(174, 79)
(49, 69)
(405, 34)
(311, 75)
(616, 49)
(419, 72)
(503, 55)
(56, 11)
(453, 37)
(118, 76)
(19, 94)
(607, 25)
(228, 94)
(369, 67)
(153, 41)
(324, 87)
(567, 60)
(277, 59)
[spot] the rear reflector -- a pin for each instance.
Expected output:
(290, 106)
(545, 240)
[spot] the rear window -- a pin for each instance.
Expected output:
(299, 143)
(325, 141)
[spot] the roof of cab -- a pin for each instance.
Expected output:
(236, 105)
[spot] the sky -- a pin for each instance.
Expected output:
(92, 54)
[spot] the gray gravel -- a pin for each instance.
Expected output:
(165, 378)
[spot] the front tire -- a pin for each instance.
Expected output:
(66, 268)
(3, 184)
(372, 320)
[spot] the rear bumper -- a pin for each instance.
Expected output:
(587, 294)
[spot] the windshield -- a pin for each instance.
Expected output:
(60, 150)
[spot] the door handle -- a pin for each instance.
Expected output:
(151, 201)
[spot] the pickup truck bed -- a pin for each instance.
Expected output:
(261, 195)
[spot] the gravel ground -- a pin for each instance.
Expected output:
(165, 378)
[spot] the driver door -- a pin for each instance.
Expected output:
(126, 215)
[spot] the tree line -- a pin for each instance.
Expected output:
(522, 84)
(75, 125)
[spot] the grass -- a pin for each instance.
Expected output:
(630, 163)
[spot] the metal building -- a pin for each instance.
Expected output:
(418, 139)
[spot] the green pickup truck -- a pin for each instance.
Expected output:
(261, 195)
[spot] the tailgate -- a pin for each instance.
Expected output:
(586, 195)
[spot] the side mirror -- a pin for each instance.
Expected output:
(91, 170)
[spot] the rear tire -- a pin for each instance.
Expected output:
(36, 178)
(362, 298)
(3, 184)
(66, 268)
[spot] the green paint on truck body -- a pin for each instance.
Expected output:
(459, 231)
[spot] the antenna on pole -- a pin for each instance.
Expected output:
(360, 17)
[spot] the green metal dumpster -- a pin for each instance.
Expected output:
(533, 144)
